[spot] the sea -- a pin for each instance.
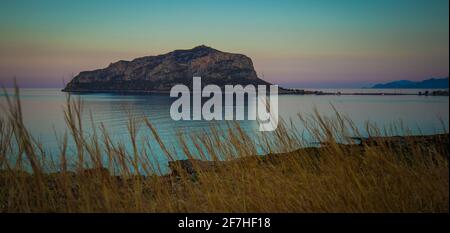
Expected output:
(43, 113)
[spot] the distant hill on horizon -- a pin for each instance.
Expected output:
(432, 83)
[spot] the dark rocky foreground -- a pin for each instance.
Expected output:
(160, 73)
(401, 144)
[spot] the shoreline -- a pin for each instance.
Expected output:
(192, 166)
(438, 92)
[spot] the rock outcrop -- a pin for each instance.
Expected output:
(160, 73)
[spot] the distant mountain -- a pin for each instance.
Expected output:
(160, 73)
(433, 83)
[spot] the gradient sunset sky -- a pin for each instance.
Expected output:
(315, 43)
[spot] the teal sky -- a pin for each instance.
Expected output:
(316, 43)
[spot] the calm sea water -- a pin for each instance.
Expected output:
(43, 113)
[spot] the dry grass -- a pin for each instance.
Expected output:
(407, 175)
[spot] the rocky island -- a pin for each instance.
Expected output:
(160, 73)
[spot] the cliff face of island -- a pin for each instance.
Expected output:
(160, 73)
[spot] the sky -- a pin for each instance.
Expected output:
(310, 43)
